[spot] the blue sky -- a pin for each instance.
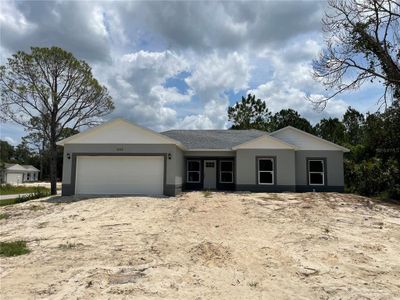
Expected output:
(181, 64)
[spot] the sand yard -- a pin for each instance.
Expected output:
(204, 246)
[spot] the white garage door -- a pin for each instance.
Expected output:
(14, 178)
(119, 175)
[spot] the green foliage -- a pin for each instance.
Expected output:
(13, 248)
(373, 177)
(353, 121)
(331, 129)
(8, 189)
(6, 151)
(250, 113)
(36, 194)
(289, 117)
(49, 90)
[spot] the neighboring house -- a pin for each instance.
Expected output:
(16, 174)
(122, 158)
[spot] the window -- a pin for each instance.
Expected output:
(316, 172)
(226, 171)
(209, 164)
(265, 171)
(193, 171)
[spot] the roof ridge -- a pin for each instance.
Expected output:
(226, 130)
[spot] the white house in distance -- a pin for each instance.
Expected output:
(17, 174)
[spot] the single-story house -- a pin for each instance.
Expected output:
(119, 157)
(17, 174)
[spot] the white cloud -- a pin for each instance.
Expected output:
(216, 73)
(291, 82)
(212, 49)
(137, 85)
(211, 79)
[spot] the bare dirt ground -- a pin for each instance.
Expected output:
(226, 246)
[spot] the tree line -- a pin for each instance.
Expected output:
(372, 167)
(34, 150)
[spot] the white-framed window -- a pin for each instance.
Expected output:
(193, 171)
(210, 164)
(265, 171)
(226, 171)
(316, 172)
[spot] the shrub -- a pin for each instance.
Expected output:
(13, 248)
(38, 193)
(373, 177)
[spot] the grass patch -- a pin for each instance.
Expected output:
(39, 192)
(13, 248)
(4, 216)
(8, 189)
(207, 194)
(8, 202)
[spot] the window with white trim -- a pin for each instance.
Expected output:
(266, 171)
(193, 171)
(316, 172)
(226, 171)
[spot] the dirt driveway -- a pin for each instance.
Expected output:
(225, 246)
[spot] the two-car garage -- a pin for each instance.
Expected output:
(120, 158)
(143, 175)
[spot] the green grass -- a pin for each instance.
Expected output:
(9, 202)
(13, 248)
(4, 216)
(8, 189)
(38, 193)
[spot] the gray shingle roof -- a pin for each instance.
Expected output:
(213, 139)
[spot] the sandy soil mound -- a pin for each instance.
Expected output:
(200, 246)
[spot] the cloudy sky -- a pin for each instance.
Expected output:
(181, 64)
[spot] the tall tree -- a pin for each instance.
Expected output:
(363, 44)
(6, 152)
(52, 87)
(290, 117)
(22, 153)
(249, 113)
(331, 130)
(353, 122)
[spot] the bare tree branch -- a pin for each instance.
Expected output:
(362, 43)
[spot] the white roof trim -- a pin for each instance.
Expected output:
(344, 149)
(94, 129)
(16, 168)
(216, 150)
(288, 146)
(30, 168)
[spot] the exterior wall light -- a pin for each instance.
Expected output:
(169, 156)
(68, 155)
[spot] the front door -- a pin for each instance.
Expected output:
(210, 174)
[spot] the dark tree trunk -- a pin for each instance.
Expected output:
(41, 153)
(53, 155)
(53, 167)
